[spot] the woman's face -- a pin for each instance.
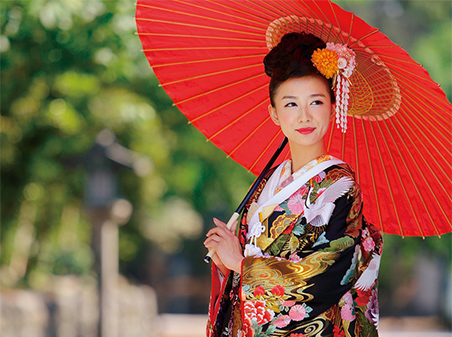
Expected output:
(303, 109)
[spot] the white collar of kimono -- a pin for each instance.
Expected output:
(268, 196)
(284, 172)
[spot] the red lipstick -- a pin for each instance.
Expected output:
(305, 131)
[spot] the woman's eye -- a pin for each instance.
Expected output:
(291, 104)
(317, 103)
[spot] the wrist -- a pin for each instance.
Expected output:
(238, 266)
(223, 270)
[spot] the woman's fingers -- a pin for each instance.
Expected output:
(220, 224)
(225, 226)
(221, 228)
(216, 231)
(217, 234)
(212, 240)
(226, 244)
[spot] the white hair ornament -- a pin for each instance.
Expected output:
(337, 61)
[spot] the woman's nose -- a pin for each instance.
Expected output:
(304, 115)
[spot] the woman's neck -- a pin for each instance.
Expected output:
(301, 155)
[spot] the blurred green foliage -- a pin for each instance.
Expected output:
(72, 68)
(69, 70)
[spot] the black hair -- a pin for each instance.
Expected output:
(291, 58)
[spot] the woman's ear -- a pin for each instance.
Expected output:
(333, 111)
(273, 114)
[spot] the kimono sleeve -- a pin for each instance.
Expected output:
(314, 278)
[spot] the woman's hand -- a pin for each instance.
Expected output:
(228, 252)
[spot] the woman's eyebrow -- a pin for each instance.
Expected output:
(295, 97)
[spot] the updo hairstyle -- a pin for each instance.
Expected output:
(291, 58)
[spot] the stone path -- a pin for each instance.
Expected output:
(194, 326)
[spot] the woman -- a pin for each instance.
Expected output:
(305, 262)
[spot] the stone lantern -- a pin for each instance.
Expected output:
(107, 211)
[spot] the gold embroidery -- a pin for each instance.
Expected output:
(281, 223)
(278, 226)
(333, 315)
(314, 328)
(316, 230)
(354, 217)
(258, 191)
(307, 240)
(292, 276)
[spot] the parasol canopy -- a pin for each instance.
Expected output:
(207, 55)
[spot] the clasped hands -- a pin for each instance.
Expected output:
(228, 252)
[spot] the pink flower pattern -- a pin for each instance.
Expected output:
(348, 298)
(282, 321)
(368, 244)
(288, 303)
(296, 201)
(347, 313)
(297, 312)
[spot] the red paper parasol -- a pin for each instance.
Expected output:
(207, 55)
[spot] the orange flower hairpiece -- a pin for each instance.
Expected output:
(337, 61)
(326, 62)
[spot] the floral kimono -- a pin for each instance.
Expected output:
(311, 260)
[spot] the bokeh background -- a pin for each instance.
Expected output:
(92, 148)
